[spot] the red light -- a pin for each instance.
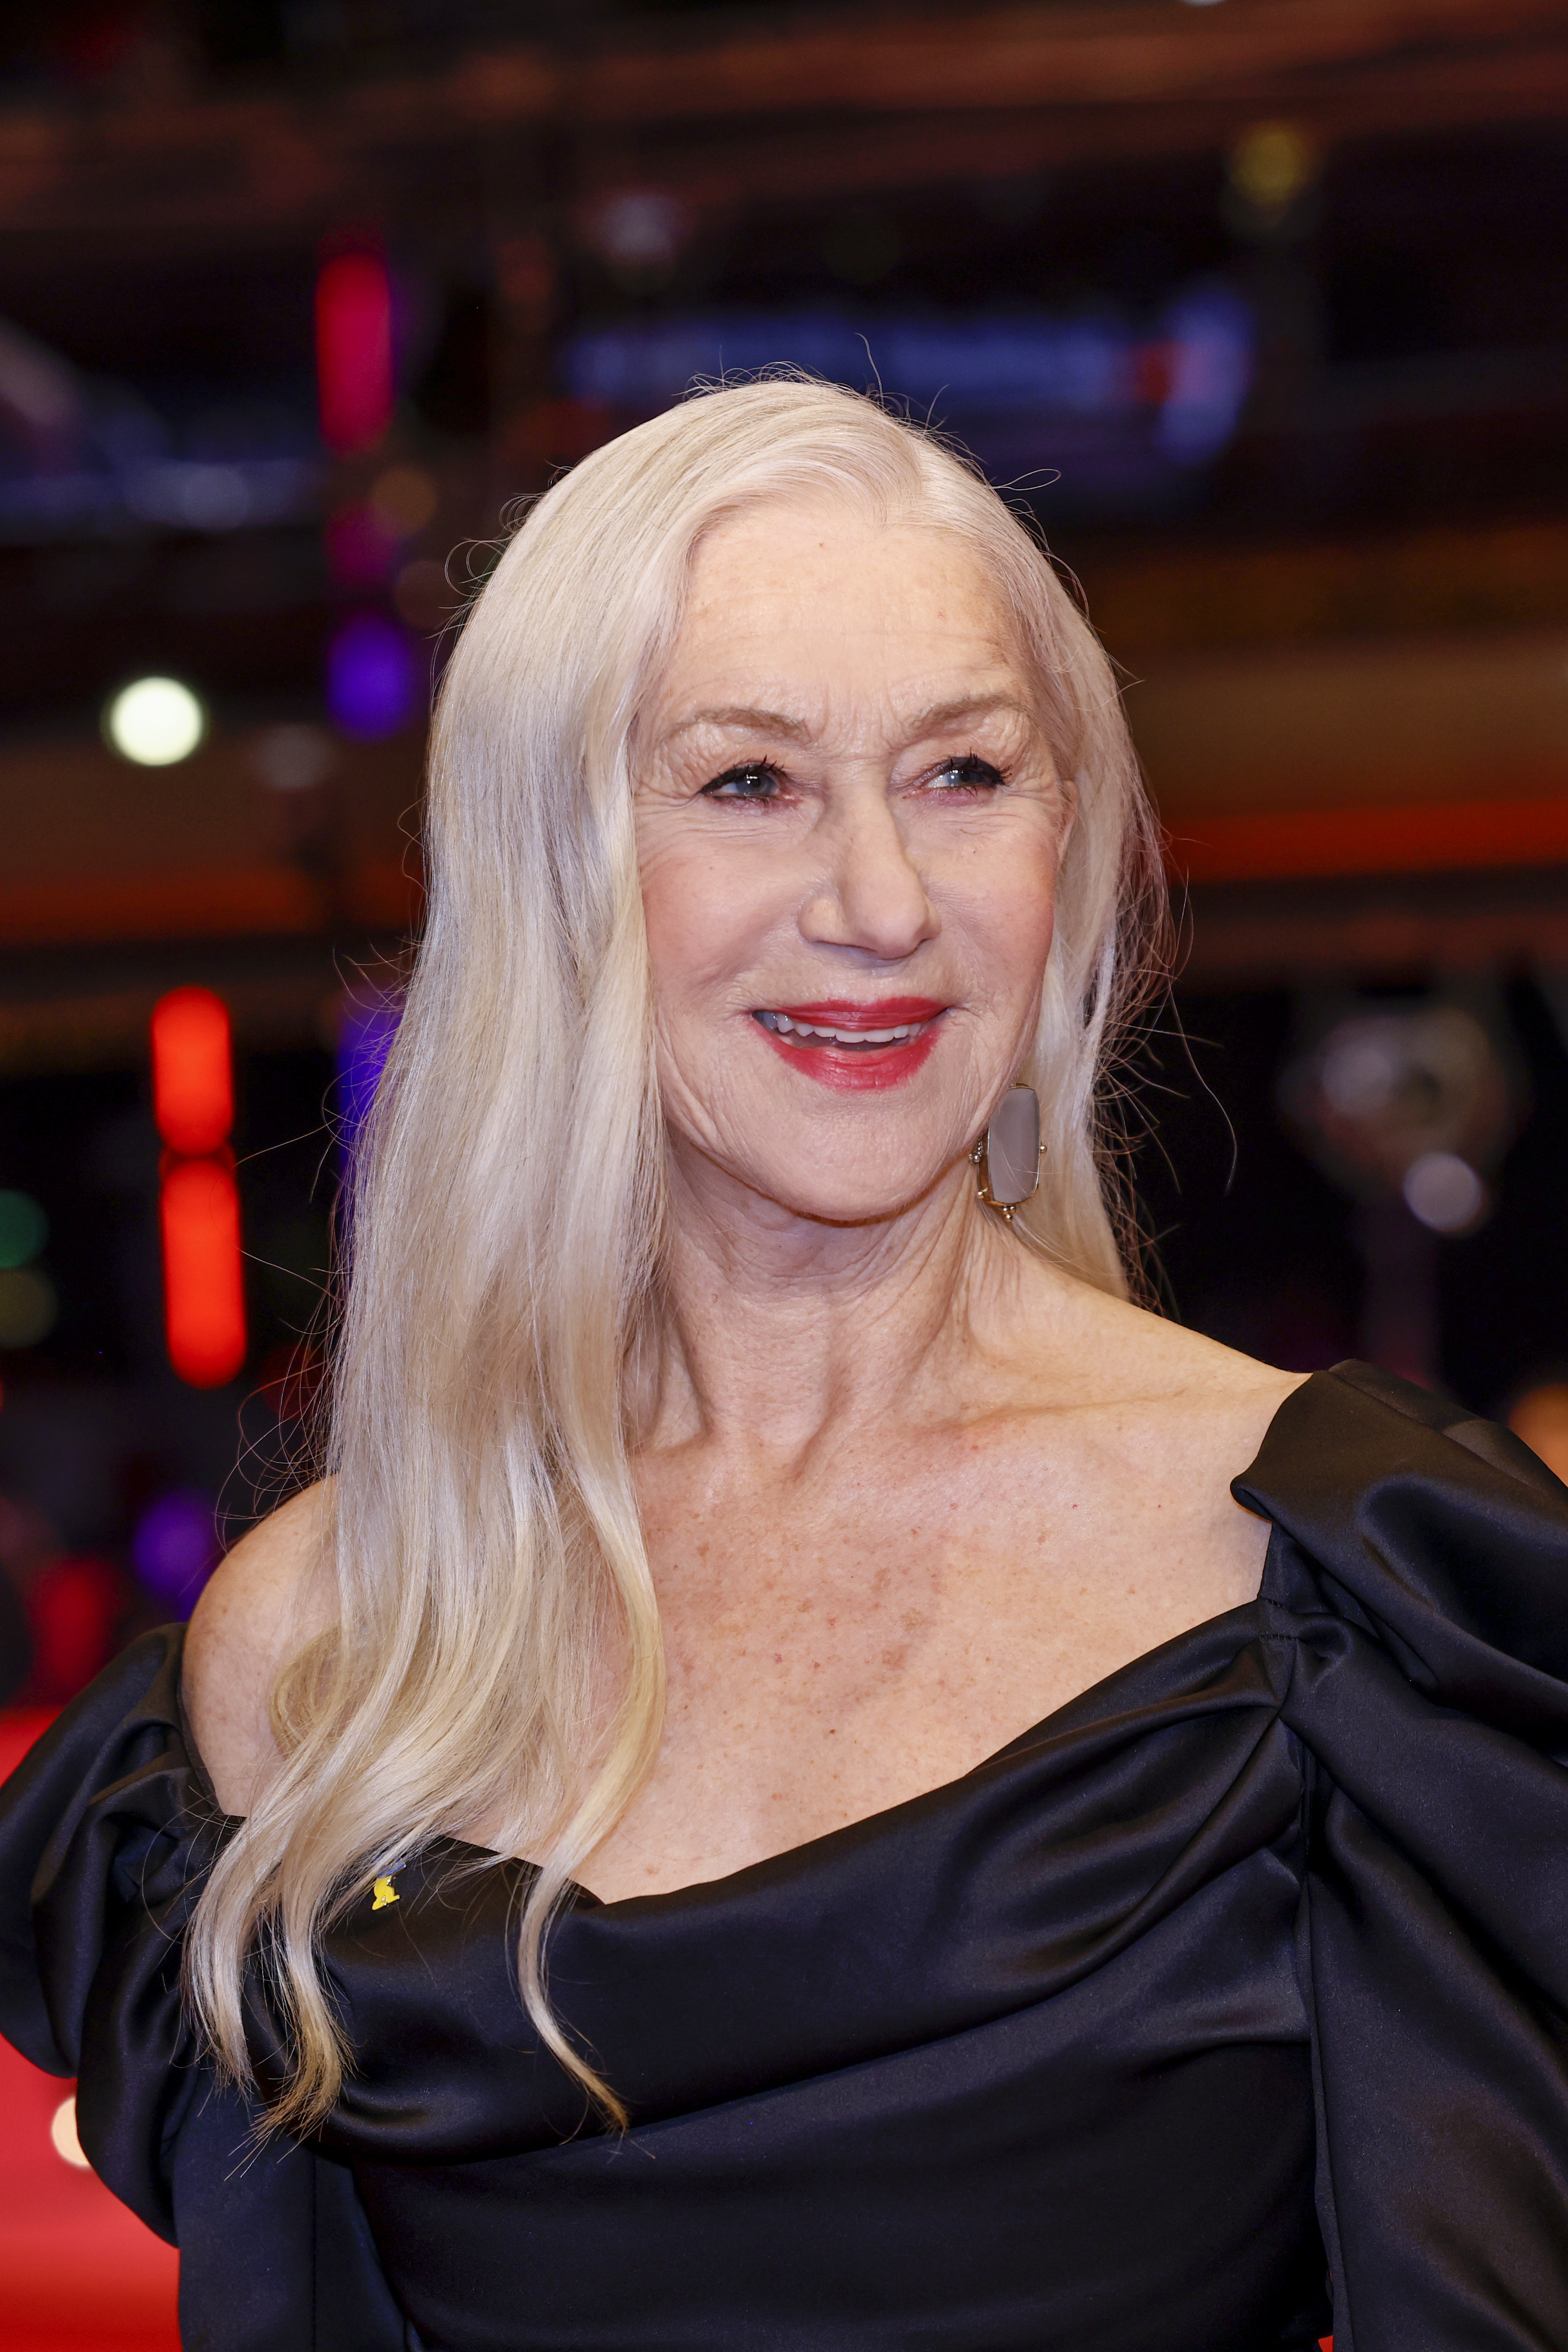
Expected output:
(204, 1278)
(192, 1085)
(75, 1607)
(354, 352)
(203, 1273)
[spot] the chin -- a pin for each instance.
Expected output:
(830, 1196)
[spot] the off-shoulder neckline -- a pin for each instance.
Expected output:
(1375, 1389)
(810, 1849)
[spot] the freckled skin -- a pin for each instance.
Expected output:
(905, 1489)
(942, 1456)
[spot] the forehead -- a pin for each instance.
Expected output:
(796, 553)
(828, 592)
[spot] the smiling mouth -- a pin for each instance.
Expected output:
(818, 1035)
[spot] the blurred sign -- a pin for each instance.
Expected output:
(1120, 408)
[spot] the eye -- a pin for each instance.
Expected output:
(753, 780)
(970, 773)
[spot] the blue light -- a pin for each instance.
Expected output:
(1117, 404)
(375, 678)
(1075, 365)
(1210, 342)
(365, 1041)
(175, 1549)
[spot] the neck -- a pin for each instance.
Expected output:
(775, 1325)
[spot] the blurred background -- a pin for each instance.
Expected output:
(1262, 307)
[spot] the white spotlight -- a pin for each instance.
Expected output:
(155, 722)
(1445, 1193)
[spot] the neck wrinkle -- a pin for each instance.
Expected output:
(774, 1330)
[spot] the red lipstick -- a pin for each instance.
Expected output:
(842, 1012)
(835, 1059)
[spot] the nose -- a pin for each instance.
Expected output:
(871, 896)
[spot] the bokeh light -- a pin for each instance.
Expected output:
(293, 757)
(1162, 394)
(1270, 163)
(375, 678)
(174, 1548)
(366, 1030)
(29, 1309)
(354, 352)
(64, 2135)
(192, 1085)
(78, 1604)
(155, 722)
(23, 1229)
(204, 1278)
(1445, 1193)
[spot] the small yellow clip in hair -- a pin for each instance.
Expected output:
(385, 1892)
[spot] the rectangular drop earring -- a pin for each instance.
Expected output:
(1009, 1154)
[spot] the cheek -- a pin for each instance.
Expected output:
(704, 915)
(1008, 916)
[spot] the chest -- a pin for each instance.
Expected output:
(837, 1646)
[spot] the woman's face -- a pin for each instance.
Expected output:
(849, 826)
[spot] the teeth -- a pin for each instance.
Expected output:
(781, 1024)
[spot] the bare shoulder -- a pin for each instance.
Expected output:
(258, 1608)
(1122, 1361)
(1191, 1413)
(1213, 1402)
(1144, 1425)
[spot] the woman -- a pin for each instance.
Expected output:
(1000, 1872)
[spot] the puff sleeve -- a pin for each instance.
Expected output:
(1423, 1558)
(107, 1832)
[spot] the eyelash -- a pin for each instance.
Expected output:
(734, 775)
(988, 778)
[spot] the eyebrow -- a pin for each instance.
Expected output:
(929, 721)
(742, 715)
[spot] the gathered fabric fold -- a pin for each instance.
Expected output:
(1248, 1965)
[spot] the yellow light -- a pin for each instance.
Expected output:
(155, 722)
(28, 1307)
(63, 2132)
(1271, 164)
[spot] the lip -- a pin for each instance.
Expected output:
(859, 1072)
(842, 1012)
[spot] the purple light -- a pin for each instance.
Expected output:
(1211, 341)
(175, 1549)
(375, 678)
(365, 1041)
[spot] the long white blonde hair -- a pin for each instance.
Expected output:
(483, 1560)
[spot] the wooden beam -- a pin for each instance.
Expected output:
(816, 160)
(1161, 598)
(1396, 926)
(205, 903)
(1267, 845)
(826, 109)
(1042, 56)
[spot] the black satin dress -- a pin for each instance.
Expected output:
(1245, 1972)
